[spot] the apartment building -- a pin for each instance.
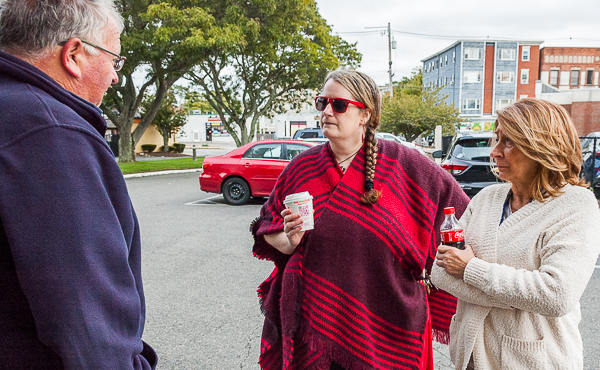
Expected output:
(570, 68)
(481, 77)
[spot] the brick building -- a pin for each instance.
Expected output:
(582, 103)
(481, 77)
(570, 68)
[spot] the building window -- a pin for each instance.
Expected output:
(525, 53)
(452, 83)
(554, 77)
(503, 103)
(446, 60)
(574, 77)
(524, 76)
(471, 104)
(472, 77)
(472, 53)
(505, 77)
(454, 57)
(506, 54)
(523, 96)
(589, 77)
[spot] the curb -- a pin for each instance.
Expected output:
(157, 173)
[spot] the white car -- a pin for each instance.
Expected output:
(388, 136)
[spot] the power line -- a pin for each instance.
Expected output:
(459, 37)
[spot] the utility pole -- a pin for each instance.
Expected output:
(390, 49)
(391, 45)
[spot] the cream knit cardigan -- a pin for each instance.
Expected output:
(518, 303)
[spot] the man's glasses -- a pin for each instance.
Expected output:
(339, 105)
(118, 61)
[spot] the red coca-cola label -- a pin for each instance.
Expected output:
(453, 236)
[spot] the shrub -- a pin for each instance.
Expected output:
(149, 148)
(169, 148)
(179, 147)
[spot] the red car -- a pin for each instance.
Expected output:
(250, 170)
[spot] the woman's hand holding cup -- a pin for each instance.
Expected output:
(292, 226)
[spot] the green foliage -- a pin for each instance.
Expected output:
(179, 148)
(148, 147)
(170, 117)
(194, 100)
(163, 39)
(415, 111)
(288, 49)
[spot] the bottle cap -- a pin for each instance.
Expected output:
(449, 210)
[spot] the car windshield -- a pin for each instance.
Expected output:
(473, 149)
(309, 135)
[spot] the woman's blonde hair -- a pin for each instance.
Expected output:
(364, 90)
(544, 132)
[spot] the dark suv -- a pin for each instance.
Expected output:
(468, 160)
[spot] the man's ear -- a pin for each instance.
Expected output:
(71, 57)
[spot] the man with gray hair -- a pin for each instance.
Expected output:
(71, 292)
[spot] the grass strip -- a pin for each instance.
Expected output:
(160, 165)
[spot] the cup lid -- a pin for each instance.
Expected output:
(297, 196)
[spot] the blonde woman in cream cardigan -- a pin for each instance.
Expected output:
(532, 244)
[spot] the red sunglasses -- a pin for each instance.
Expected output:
(339, 105)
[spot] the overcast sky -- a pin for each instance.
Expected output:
(556, 22)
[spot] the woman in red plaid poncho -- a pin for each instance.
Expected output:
(349, 294)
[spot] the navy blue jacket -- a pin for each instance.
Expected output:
(71, 292)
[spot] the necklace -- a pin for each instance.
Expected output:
(344, 160)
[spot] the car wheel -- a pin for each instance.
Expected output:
(236, 191)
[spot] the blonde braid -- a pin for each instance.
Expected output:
(371, 195)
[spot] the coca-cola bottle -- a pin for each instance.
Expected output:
(451, 234)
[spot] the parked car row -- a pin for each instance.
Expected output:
(253, 169)
(392, 137)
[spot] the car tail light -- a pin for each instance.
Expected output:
(205, 166)
(454, 169)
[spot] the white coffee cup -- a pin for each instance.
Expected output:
(301, 203)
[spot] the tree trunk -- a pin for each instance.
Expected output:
(126, 147)
(165, 134)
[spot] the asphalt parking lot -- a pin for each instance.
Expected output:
(200, 279)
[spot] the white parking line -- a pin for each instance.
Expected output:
(598, 267)
(197, 202)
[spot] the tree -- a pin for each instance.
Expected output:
(163, 39)
(415, 111)
(169, 118)
(194, 100)
(287, 51)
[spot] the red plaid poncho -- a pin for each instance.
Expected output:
(350, 293)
